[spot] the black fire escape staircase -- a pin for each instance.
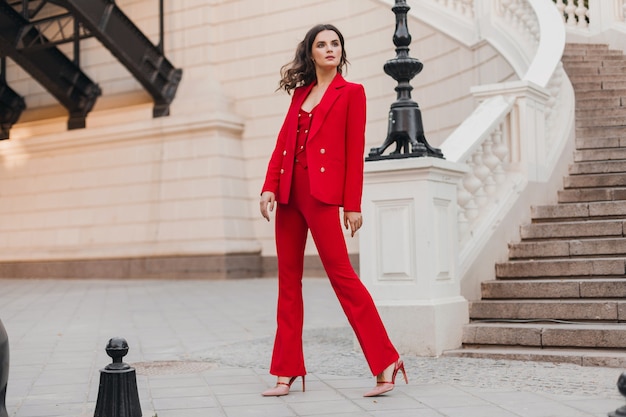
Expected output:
(32, 44)
(11, 105)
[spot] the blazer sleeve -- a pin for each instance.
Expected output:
(355, 146)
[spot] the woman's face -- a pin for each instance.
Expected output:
(326, 50)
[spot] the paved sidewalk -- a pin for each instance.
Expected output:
(202, 348)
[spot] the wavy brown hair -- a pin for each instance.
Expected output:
(301, 70)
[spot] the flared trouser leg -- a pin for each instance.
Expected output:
(291, 234)
(353, 296)
(293, 220)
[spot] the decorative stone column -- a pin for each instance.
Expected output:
(409, 252)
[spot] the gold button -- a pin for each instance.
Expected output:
(282, 171)
(322, 151)
(322, 169)
(284, 153)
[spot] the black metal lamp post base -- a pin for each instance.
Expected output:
(406, 132)
(405, 128)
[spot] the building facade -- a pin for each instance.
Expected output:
(131, 195)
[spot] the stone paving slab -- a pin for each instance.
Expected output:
(202, 348)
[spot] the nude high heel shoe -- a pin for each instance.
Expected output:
(386, 386)
(281, 388)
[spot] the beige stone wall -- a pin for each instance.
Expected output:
(130, 185)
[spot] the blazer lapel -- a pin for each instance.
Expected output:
(299, 96)
(333, 91)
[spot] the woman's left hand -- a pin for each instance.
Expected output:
(353, 220)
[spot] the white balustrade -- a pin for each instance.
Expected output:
(598, 18)
(518, 130)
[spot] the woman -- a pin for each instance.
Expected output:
(316, 167)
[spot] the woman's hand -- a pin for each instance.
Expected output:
(267, 199)
(353, 220)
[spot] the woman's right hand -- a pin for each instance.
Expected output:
(268, 199)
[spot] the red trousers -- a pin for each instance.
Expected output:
(293, 220)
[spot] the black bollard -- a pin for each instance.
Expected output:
(118, 395)
(4, 369)
(621, 386)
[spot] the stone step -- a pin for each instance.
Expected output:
(598, 84)
(547, 335)
(618, 112)
(575, 229)
(562, 268)
(599, 143)
(600, 59)
(611, 358)
(589, 102)
(603, 154)
(615, 69)
(591, 194)
(582, 70)
(578, 211)
(577, 48)
(592, 62)
(602, 132)
(568, 248)
(595, 180)
(614, 85)
(608, 167)
(590, 121)
(578, 310)
(600, 94)
(581, 79)
(554, 289)
(583, 87)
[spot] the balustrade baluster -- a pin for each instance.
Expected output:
(463, 197)
(570, 9)
(481, 172)
(472, 184)
(581, 13)
(491, 162)
(501, 151)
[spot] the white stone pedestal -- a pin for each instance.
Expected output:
(409, 252)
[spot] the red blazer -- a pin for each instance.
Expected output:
(335, 147)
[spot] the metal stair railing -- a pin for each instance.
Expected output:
(146, 62)
(49, 66)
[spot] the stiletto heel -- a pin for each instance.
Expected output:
(281, 388)
(386, 386)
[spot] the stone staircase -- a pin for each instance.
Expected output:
(561, 296)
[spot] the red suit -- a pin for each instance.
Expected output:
(316, 167)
